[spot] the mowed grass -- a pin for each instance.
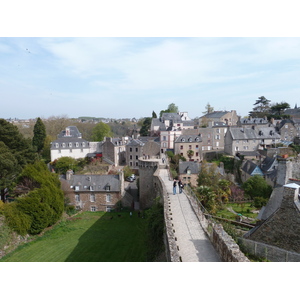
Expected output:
(88, 237)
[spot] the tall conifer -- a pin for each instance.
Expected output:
(39, 135)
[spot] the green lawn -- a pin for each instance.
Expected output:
(245, 209)
(88, 237)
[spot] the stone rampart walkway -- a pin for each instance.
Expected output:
(194, 245)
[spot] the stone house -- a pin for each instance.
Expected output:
(250, 122)
(249, 140)
(188, 172)
(185, 143)
(169, 127)
(134, 150)
(287, 130)
(230, 118)
(281, 228)
(94, 192)
(249, 169)
(114, 150)
(141, 147)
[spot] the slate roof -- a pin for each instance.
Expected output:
(250, 168)
(135, 142)
(175, 117)
(216, 114)
(188, 139)
(99, 183)
(70, 143)
(268, 164)
(184, 166)
(250, 121)
(74, 133)
(239, 133)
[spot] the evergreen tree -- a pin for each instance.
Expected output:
(20, 147)
(39, 135)
(9, 169)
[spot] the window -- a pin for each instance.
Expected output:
(190, 147)
(181, 147)
(218, 130)
(136, 157)
(136, 149)
(197, 153)
(83, 144)
(64, 145)
(197, 146)
(130, 156)
(130, 149)
(218, 137)
(77, 197)
(108, 197)
(164, 138)
(92, 197)
(77, 144)
(56, 145)
(93, 208)
(70, 145)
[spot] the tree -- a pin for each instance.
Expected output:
(279, 108)
(63, 164)
(42, 203)
(9, 170)
(190, 154)
(154, 115)
(100, 131)
(172, 108)
(145, 130)
(256, 186)
(209, 109)
(262, 107)
(39, 135)
(20, 147)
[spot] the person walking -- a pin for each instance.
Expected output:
(174, 186)
(180, 185)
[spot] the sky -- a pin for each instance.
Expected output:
(119, 77)
(128, 59)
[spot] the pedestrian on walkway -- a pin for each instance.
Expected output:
(180, 186)
(174, 186)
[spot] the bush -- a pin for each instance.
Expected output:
(17, 220)
(259, 202)
(42, 206)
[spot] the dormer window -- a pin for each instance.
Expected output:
(107, 187)
(183, 140)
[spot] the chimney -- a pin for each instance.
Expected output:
(69, 174)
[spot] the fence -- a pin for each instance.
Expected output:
(268, 252)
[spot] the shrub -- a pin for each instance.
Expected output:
(17, 220)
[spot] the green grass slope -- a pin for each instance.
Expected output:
(88, 237)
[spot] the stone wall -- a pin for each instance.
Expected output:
(268, 252)
(224, 244)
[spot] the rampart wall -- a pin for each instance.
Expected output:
(151, 187)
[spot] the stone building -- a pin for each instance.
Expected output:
(188, 172)
(169, 127)
(114, 150)
(228, 117)
(281, 229)
(94, 192)
(185, 143)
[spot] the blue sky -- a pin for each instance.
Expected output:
(131, 77)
